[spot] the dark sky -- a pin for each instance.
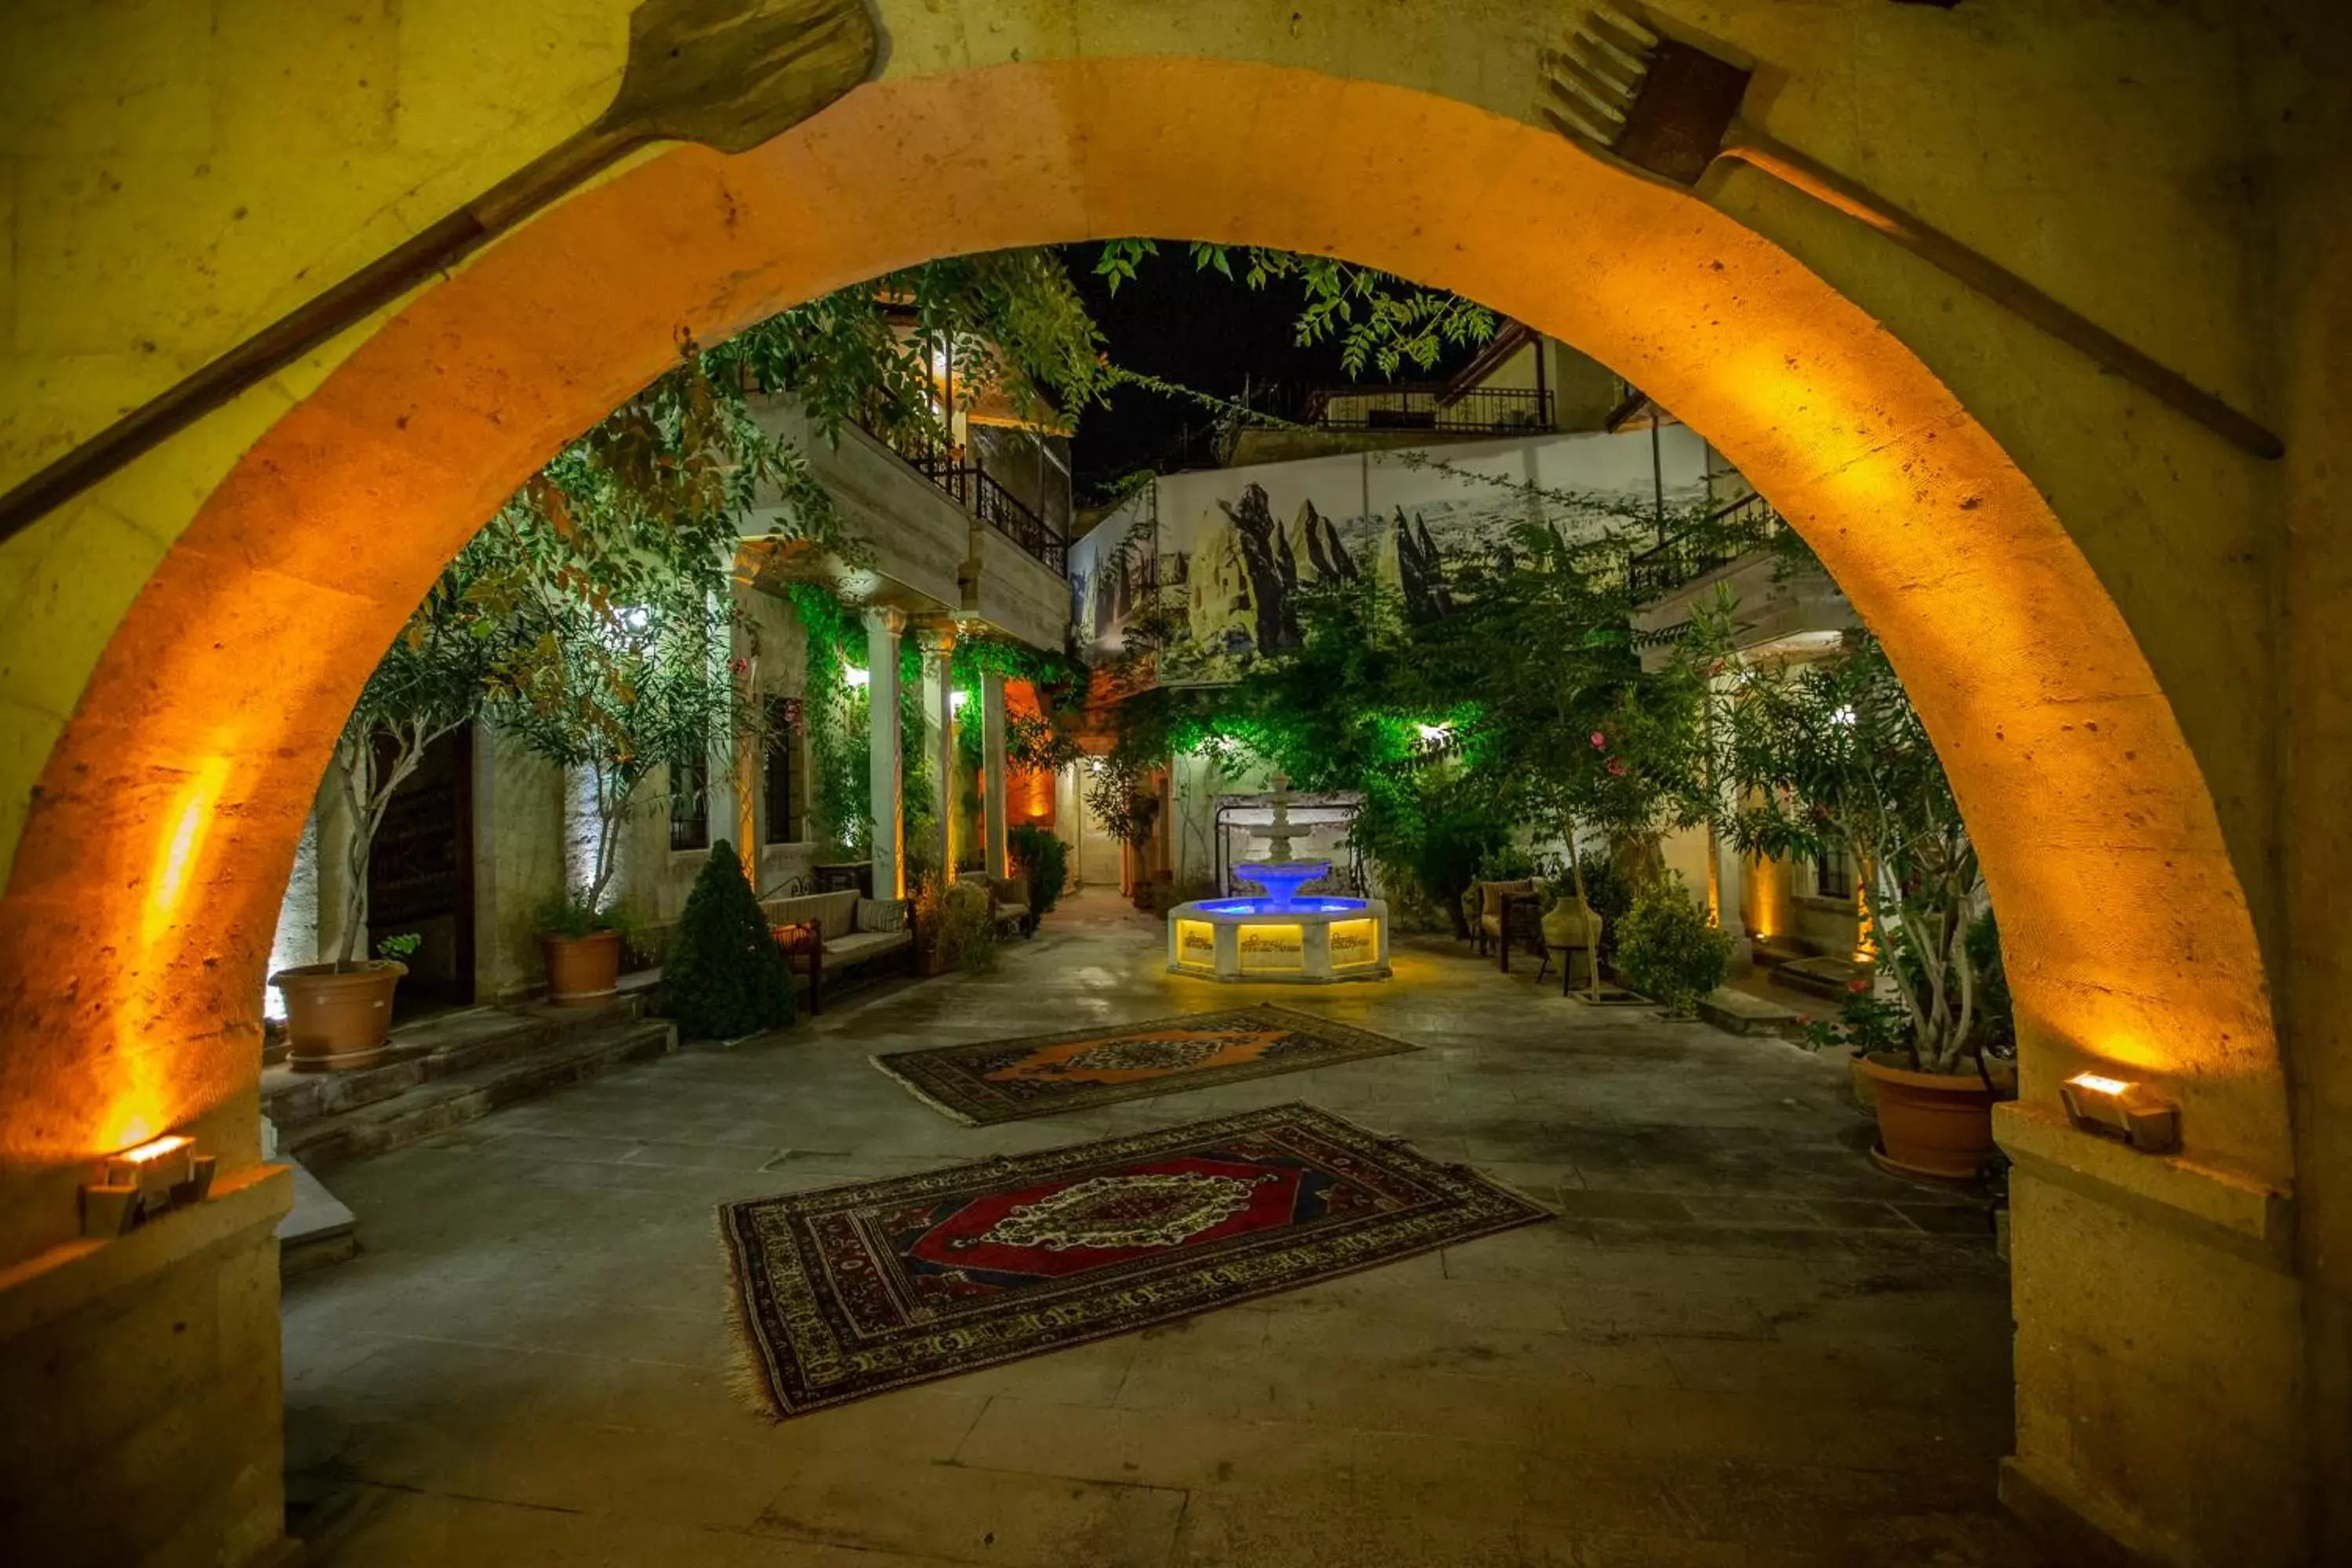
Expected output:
(1193, 327)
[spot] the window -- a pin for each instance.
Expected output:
(1834, 875)
(689, 806)
(785, 787)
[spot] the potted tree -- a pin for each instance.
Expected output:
(611, 695)
(1830, 754)
(431, 681)
(611, 570)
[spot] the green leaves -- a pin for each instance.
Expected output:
(1377, 319)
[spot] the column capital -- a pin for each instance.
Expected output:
(884, 618)
(936, 636)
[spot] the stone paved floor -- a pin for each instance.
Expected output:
(1737, 1345)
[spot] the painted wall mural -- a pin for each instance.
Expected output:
(1228, 550)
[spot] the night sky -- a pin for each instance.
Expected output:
(1196, 328)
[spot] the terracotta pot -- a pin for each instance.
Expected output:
(338, 1018)
(1933, 1125)
(1865, 1087)
(582, 971)
(928, 961)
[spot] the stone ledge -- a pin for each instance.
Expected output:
(2080, 1534)
(2230, 1208)
(69, 1277)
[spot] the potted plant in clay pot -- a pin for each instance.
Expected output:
(1828, 754)
(432, 681)
(609, 695)
(339, 1015)
(582, 947)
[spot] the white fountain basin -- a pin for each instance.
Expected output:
(1309, 941)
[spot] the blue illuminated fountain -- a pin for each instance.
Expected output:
(1280, 936)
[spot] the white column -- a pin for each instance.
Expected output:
(882, 629)
(992, 782)
(939, 717)
(719, 798)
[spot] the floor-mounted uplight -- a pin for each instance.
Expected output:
(2125, 1111)
(140, 1183)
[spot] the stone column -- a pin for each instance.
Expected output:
(882, 629)
(939, 717)
(992, 782)
(720, 796)
(744, 669)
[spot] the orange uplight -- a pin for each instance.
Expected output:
(2127, 1112)
(187, 823)
(155, 1149)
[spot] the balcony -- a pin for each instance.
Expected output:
(979, 493)
(941, 539)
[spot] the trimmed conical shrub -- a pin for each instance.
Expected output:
(724, 974)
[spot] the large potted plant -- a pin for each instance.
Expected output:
(612, 567)
(614, 697)
(1830, 755)
(430, 682)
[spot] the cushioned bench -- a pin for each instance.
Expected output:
(826, 935)
(1008, 899)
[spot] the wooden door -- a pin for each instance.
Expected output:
(421, 877)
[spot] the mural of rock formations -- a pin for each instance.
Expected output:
(1229, 551)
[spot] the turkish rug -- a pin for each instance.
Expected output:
(858, 1290)
(987, 1081)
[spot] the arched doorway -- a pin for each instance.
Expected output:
(139, 905)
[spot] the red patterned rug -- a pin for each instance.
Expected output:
(986, 1082)
(858, 1290)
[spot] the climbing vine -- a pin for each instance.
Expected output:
(836, 718)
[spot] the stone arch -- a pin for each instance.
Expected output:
(140, 906)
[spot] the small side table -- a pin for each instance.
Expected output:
(1522, 921)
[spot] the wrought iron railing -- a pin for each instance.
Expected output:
(979, 493)
(1721, 537)
(1481, 410)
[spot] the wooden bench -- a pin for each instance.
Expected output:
(824, 935)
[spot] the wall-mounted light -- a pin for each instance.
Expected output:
(2127, 1112)
(956, 701)
(1434, 734)
(851, 676)
(140, 1183)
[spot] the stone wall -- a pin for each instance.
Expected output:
(174, 176)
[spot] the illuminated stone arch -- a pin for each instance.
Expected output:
(142, 903)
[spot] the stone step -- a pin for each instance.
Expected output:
(1817, 977)
(1771, 951)
(437, 1047)
(1737, 1013)
(439, 1104)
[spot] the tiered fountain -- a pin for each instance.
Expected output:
(1314, 939)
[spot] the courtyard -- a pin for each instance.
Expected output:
(1737, 1343)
